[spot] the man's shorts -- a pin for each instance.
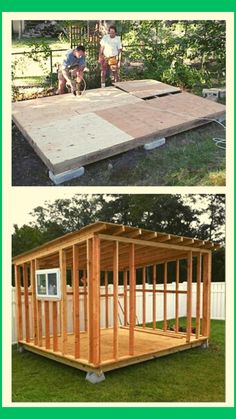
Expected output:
(111, 61)
(70, 72)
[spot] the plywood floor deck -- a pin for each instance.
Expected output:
(146, 88)
(147, 346)
(68, 132)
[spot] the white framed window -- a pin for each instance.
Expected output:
(48, 284)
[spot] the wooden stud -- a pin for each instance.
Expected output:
(177, 297)
(198, 294)
(18, 303)
(189, 295)
(96, 303)
(54, 326)
(34, 303)
(144, 295)
(76, 302)
(209, 294)
(39, 311)
(40, 325)
(85, 276)
(154, 307)
(90, 297)
(47, 327)
(132, 286)
(206, 295)
(115, 298)
(106, 301)
(125, 276)
(165, 299)
(26, 298)
(62, 263)
(93, 257)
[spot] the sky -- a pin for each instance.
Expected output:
(38, 197)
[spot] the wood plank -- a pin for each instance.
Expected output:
(209, 294)
(85, 300)
(146, 88)
(54, 327)
(40, 324)
(26, 302)
(39, 312)
(144, 295)
(154, 307)
(125, 298)
(106, 301)
(189, 295)
(206, 295)
(198, 296)
(165, 325)
(62, 263)
(96, 302)
(177, 296)
(115, 298)
(34, 304)
(132, 286)
(91, 297)
(150, 243)
(63, 242)
(18, 303)
(47, 327)
(76, 300)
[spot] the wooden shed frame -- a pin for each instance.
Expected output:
(90, 253)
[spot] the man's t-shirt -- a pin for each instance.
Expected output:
(111, 45)
(71, 60)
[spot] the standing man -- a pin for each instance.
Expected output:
(73, 66)
(110, 54)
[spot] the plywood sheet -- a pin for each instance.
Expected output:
(187, 105)
(72, 140)
(146, 88)
(37, 112)
(163, 116)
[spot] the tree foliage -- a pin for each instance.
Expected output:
(178, 52)
(200, 216)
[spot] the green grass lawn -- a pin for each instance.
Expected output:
(190, 158)
(196, 375)
(26, 43)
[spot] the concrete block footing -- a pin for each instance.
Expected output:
(214, 92)
(20, 349)
(95, 378)
(65, 176)
(154, 144)
(221, 118)
(205, 345)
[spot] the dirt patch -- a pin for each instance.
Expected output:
(29, 170)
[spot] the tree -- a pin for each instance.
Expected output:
(200, 216)
(25, 238)
(213, 227)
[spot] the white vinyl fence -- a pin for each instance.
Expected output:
(217, 306)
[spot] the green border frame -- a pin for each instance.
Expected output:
(105, 6)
